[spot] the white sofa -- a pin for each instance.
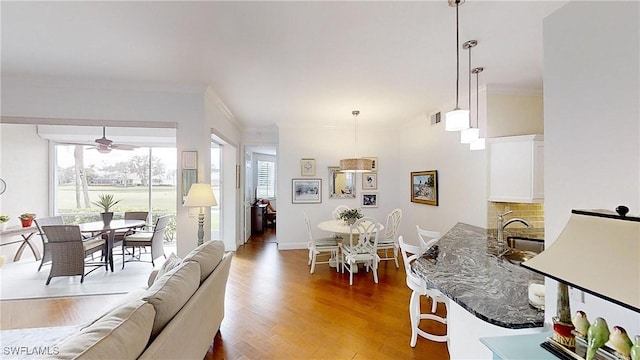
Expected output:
(177, 317)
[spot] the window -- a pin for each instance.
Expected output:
(266, 179)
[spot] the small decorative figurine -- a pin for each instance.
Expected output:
(581, 324)
(635, 349)
(597, 335)
(620, 342)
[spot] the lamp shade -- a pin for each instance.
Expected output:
(467, 136)
(200, 195)
(456, 120)
(358, 165)
(597, 252)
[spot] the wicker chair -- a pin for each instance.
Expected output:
(46, 253)
(140, 239)
(128, 215)
(69, 250)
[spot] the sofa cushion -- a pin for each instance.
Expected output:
(171, 262)
(122, 333)
(207, 255)
(170, 292)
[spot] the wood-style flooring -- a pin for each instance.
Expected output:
(276, 309)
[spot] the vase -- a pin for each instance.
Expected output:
(3, 226)
(26, 222)
(106, 218)
(351, 221)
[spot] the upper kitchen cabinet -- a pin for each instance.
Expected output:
(516, 169)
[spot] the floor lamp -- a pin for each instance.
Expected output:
(200, 195)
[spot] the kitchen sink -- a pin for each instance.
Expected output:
(515, 256)
(521, 249)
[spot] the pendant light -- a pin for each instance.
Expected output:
(467, 136)
(457, 119)
(478, 144)
(355, 164)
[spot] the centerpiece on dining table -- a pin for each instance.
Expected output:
(350, 215)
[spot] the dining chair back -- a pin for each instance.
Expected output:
(336, 212)
(40, 222)
(419, 287)
(119, 235)
(362, 247)
(69, 250)
(142, 239)
(388, 243)
(318, 246)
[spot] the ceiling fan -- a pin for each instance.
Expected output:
(104, 145)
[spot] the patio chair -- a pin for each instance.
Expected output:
(53, 220)
(141, 239)
(69, 251)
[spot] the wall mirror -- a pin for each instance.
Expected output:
(341, 184)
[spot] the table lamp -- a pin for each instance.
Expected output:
(200, 195)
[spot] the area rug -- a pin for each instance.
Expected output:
(22, 280)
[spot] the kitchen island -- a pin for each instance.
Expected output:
(488, 294)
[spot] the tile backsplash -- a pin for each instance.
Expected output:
(533, 213)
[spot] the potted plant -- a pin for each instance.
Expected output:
(106, 202)
(27, 219)
(350, 215)
(4, 219)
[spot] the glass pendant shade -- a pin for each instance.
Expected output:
(456, 120)
(356, 165)
(477, 145)
(467, 136)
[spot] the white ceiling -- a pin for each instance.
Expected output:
(284, 63)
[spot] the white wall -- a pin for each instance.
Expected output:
(24, 166)
(462, 178)
(327, 146)
(416, 146)
(592, 126)
(514, 114)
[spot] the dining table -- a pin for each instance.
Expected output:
(26, 239)
(98, 227)
(340, 227)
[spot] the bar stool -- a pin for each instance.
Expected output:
(418, 285)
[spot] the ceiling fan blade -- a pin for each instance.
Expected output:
(123, 147)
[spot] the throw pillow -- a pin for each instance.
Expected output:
(171, 262)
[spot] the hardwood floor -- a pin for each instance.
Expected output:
(276, 309)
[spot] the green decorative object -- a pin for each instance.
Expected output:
(635, 349)
(597, 336)
(350, 215)
(581, 324)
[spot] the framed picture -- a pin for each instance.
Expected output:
(424, 187)
(189, 160)
(306, 191)
(189, 177)
(374, 163)
(369, 181)
(369, 200)
(308, 167)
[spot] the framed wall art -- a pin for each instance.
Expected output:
(374, 163)
(424, 187)
(306, 191)
(369, 181)
(308, 167)
(189, 160)
(369, 200)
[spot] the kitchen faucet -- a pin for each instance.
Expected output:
(502, 225)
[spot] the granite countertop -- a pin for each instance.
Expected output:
(466, 268)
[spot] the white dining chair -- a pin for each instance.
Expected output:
(336, 212)
(428, 238)
(410, 253)
(362, 248)
(318, 246)
(388, 242)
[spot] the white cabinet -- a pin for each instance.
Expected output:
(516, 169)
